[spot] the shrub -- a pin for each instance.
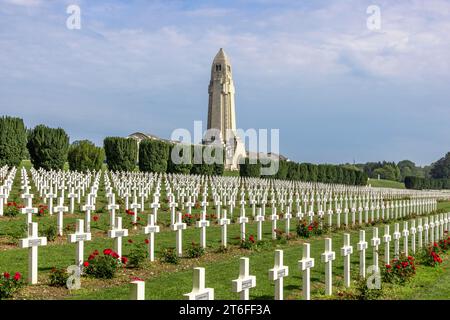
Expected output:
(12, 209)
(13, 141)
(48, 147)
(399, 270)
(250, 169)
(103, 266)
(170, 256)
(188, 219)
(249, 243)
(84, 155)
(58, 277)
(363, 292)
(42, 210)
(9, 285)
(429, 256)
(153, 155)
(137, 254)
(306, 230)
(195, 251)
(50, 232)
(180, 158)
(282, 236)
(120, 153)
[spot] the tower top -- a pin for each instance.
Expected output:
(221, 56)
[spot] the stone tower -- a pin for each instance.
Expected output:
(221, 110)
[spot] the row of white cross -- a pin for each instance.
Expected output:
(245, 281)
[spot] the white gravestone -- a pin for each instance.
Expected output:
(396, 236)
(362, 246)
(203, 224)
(79, 237)
(375, 242)
(386, 240)
(277, 273)
(224, 222)
(199, 292)
(60, 209)
(260, 219)
(346, 252)
(327, 257)
(245, 282)
(117, 233)
(33, 241)
(137, 290)
(179, 226)
(151, 229)
(305, 266)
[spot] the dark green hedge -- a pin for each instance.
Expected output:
(13, 141)
(325, 173)
(48, 147)
(247, 169)
(418, 183)
(85, 155)
(153, 155)
(120, 153)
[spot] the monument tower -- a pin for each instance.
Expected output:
(221, 111)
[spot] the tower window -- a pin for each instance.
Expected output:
(229, 68)
(218, 67)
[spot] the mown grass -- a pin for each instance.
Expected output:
(386, 184)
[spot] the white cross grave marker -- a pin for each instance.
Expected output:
(33, 241)
(245, 282)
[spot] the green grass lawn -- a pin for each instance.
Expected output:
(386, 184)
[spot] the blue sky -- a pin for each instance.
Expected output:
(337, 91)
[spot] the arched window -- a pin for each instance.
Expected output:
(218, 67)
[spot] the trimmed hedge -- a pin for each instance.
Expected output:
(48, 147)
(180, 158)
(204, 158)
(309, 172)
(418, 183)
(13, 141)
(85, 155)
(247, 169)
(153, 155)
(120, 153)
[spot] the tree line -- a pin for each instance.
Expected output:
(289, 170)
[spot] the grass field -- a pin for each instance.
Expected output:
(386, 184)
(168, 281)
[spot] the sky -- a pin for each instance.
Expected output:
(338, 91)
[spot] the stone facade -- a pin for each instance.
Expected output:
(221, 111)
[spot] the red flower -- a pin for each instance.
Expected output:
(124, 260)
(114, 255)
(95, 218)
(310, 228)
(136, 279)
(130, 241)
(251, 239)
(91, 257)
(95, 253)
(86, 264)
(6, 275)
(146, 241)
(17, 276)
(388, 266)
(435, 244)
(410, 258)
(107, 252)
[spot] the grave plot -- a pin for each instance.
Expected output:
(158, 227)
